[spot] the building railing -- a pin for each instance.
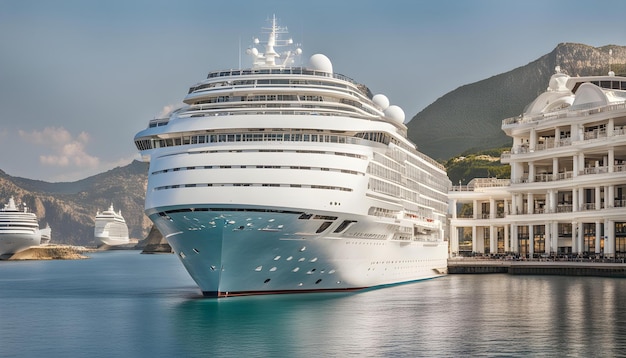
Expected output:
(522, 119)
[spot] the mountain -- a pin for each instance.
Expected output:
(70, 208)
(470, 117)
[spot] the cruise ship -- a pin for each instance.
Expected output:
(19, 229)
(111, 228)
(282, 178)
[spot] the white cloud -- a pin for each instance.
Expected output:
(63, 149)
(165, 112)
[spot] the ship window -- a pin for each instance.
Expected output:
(266, 281)
(196, 251)
(323, 227)
(318, 281)
(305, 216)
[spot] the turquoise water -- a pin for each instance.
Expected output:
(124, 304)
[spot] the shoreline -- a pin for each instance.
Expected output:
(52, 252)
(539, 267)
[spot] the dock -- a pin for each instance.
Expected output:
(536, 267)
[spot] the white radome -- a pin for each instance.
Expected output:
(381, 101)
(395, 113)
(320, 62)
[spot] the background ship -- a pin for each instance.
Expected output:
(282, 178)
(111, 228)
(19, 229)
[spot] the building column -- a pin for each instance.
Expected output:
(514, 239)
(611, 163)
(453, 208)
(531, 240)
(581, 199)
(555, 237)
(598, 201)
(533, 139)
(454, 240)
(555, 168)
(575, 237)
(493, 240)
(531, 172)
(547, 238)
(507, 246)
(575, 205)
(474, 239)
(610, 127)
(610, 200)
(609, 247)
(531, 203)
(506, 207)
(492, 208)
(598, 236)
(579, 238)
(475, 209)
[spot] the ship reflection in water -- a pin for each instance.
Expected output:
(121, 303)
(482, 315)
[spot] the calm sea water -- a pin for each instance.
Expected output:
(124, 304)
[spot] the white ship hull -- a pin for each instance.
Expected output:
(14, 241)
(257, 251)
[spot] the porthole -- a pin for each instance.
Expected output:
(196, 251)
(303, 248)
(318, 281)
(266, 281)
(296, 269)
(259, 268)
(277, 258)
(313, 259)
(273, 269)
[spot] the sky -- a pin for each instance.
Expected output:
(79, 78)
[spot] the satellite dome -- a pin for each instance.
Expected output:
(320, 62)
(395, 113)
(381, 101)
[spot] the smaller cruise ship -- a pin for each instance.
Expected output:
(19, 229)
(111, 228)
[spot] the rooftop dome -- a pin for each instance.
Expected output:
(395, 113)
(381, 101)
(558, 81)
(320, 62)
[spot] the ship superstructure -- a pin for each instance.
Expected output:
(284, 178)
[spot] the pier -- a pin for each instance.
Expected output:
(535, 267)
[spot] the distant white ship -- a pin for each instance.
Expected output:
(111, 228)
(19, 229)
(278, 178)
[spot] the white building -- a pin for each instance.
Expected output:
(567, 193)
